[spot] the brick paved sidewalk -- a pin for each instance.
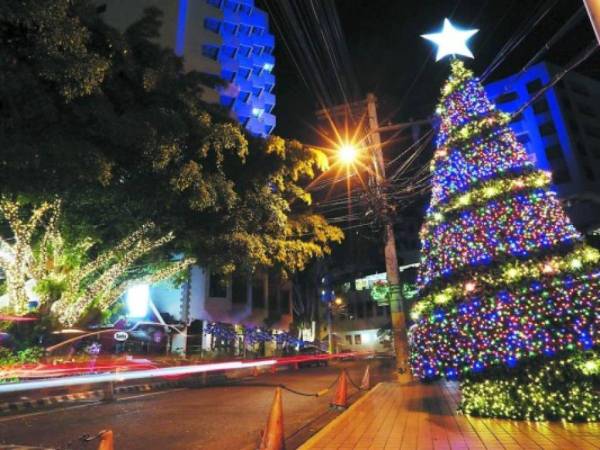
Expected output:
(422, 416)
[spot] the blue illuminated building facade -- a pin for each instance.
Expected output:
(561, 132)
(243, 49)
(229, 39)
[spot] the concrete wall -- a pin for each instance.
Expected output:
(193, 300)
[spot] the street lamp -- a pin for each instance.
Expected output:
(347, 153)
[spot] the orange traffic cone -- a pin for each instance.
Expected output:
(340, 400)
(255, 371)
(366, 380)
(106, 440)
(272, 438)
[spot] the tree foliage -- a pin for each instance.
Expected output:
(111, 123)
(60, 278)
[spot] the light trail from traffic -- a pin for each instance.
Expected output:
(126, 376)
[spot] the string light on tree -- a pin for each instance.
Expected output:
(508, 289)
(45, 266)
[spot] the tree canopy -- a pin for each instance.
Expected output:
(111, 123)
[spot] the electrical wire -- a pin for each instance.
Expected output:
(581, 57)
(518, 37)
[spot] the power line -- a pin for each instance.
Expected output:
(581, 57)
(518, 37)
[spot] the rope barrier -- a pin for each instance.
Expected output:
(354, 384)
(294, 391)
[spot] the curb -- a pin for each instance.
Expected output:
(313, 440)
(97, 394)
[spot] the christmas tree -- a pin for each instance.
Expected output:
(508, 290)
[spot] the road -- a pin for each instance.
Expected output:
(225, 417)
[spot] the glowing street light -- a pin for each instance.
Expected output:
(138, 299)
(339, 301)
(347, 153)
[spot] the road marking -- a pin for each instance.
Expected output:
(52, 410)
(39, 413)
(151, 393)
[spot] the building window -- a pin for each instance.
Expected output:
(231, 5)
(244, 96)
(349, 339)
(574, 126)
(245, 51)
(228, 75)
(547, 129)
(215, 3)
(217, 286)
(351, 310)
(589, 173)
(210, 51)
(360, 310)
(580, 149)
(357, 339)
(245, 30)
(239, 290)
(228, 51)
(246, 9)
(592, 131)
(534, 86)
(258, 292)
(579, 89)
(554, 152)
(230, 28)
(586, 110)
(540, 106)
(245, 72)
(212, 24)
(505, 98)
(369, 305)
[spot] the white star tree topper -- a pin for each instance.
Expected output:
(451, 41)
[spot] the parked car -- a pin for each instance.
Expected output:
(320, 357)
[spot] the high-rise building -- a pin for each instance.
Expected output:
(226, 38)
(561, 132)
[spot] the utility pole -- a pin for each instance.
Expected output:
(593, 10)
(384, 212)
(391, 258)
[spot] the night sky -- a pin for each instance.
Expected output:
(388, 57)
(391, 59)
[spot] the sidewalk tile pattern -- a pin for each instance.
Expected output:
(423, 417)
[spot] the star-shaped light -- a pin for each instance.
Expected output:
(451, 40)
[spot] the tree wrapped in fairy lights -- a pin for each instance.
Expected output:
(508, 291)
